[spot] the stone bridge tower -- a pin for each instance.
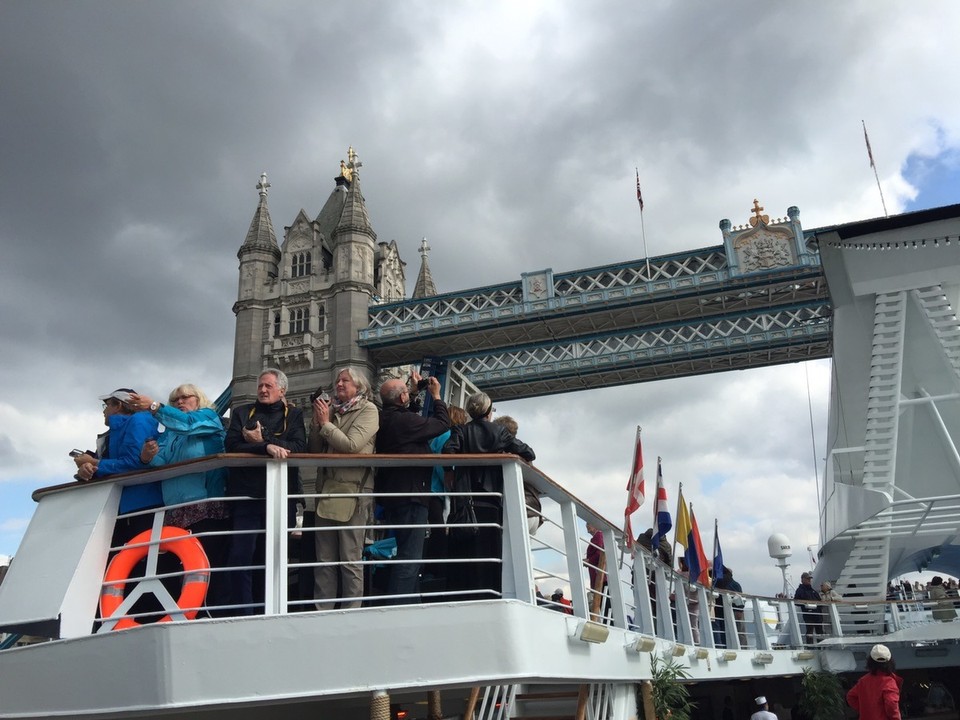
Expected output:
(300, 305)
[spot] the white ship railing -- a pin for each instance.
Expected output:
(67, 547)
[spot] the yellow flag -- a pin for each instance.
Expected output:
(683, 522)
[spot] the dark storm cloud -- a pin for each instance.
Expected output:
(132, 135)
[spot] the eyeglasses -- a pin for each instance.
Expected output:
(109, 403)
(178, 398)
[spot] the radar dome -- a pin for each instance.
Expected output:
(778, 545)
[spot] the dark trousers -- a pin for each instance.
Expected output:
(247, 515)
(485, 542)
(404, 577)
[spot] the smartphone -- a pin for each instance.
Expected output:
(76, 453)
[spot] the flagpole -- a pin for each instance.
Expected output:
(643, 231)
(872, 164)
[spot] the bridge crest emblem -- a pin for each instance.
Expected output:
(762, 245)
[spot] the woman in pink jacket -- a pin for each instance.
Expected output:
(876, 696)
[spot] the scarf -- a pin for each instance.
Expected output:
(343, 409)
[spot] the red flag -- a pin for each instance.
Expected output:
(865, 137)
(640, 195)
(635, 491)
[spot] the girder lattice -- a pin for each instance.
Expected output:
(676, 315)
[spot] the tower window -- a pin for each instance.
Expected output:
(276, 324)
(298, 320)
(302, 264)
(321, 320)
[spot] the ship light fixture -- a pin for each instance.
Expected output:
(763, 658)
(677, 650)
(804, 655)
(727, 655)
(642, 643)
(590, 632)
(700, 653)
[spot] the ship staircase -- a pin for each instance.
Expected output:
(892, 488)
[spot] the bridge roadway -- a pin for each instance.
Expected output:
(674, 315)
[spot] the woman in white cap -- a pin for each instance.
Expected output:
(876, 696)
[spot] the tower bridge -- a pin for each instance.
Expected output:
(681, 315)
(759, 299)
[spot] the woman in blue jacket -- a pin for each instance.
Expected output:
(192, 429)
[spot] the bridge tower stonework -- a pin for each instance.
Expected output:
(300, 305)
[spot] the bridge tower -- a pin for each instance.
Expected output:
(301, 304)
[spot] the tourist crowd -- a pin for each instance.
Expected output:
(340, 513)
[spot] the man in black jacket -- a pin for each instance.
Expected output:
(480, 436)
(267, 427)
(404, 431)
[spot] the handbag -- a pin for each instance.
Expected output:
(463, 518)
(339, 509)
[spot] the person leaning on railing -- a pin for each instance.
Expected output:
(479, 436)
(348, 424)
(193, 429)
(118, 451)
(267, 427)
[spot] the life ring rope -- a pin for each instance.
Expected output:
(196, 578)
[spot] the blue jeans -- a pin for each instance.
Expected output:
(403, 578)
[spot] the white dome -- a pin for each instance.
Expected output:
(778, 545)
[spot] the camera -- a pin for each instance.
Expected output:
(76, 453)
(251, 424)
(319, 393)
(422, 384)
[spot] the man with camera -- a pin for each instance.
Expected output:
(403, 430)
(267, 427)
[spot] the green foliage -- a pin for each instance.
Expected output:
(822, 697)
(671, 698)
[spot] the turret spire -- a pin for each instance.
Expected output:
(261, 234)
(424, 286)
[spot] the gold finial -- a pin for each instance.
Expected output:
(757, 217)
(345, 172)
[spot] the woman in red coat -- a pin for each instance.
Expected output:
(876, 696)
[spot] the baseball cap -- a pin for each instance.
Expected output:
(880, 653)
(760, 700)
(121, 394)
(805, 576)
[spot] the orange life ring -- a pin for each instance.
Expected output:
(173, 539)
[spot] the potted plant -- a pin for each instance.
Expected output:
(822, 697)
(666, 695)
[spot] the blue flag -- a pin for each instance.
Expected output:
(717, 555)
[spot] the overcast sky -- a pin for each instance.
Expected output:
(506, 133)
